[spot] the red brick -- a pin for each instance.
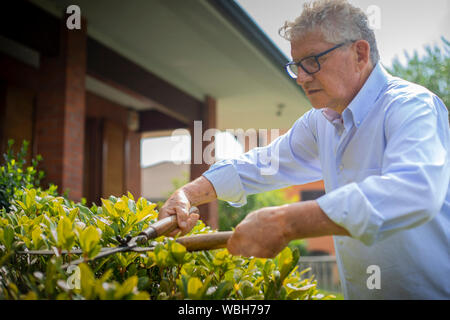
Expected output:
(61, 112)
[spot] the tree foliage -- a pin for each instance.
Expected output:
(431, 70)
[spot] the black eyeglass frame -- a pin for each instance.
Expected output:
(316, 57)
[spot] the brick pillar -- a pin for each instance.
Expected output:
(60, 112)
(209, 211)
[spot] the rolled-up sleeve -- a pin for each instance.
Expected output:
(290, 159)
(414, 180)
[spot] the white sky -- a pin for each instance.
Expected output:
(404, 25)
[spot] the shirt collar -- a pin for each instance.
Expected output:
(368, 94)
(331, 115)
(364, 99)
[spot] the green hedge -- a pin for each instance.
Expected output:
(37, 219)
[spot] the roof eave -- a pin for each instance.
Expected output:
(246, 25)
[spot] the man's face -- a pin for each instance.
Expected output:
(335, 85)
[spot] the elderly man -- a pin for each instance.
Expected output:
(381, 146)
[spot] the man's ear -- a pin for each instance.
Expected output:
(362, 48)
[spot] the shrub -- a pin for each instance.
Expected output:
(14, 175)
(38, 220)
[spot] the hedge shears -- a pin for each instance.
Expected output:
(208, 241)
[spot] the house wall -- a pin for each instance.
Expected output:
(16, 117)
(37, 105)
(60, 111)
(157, 180)
(120, 149)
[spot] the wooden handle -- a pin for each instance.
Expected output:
(160, 227)
(207, 241)
(163, 226)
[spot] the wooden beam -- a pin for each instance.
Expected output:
(153, 120)
(28, 24)
(104, 63)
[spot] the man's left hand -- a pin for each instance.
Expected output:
(265, 232)
(261, 234)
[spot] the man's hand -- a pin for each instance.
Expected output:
(261, 234)
(194, 193)
(178, 204)
(265, 232)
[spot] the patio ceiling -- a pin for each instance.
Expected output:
(199, 50)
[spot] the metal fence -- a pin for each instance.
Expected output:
(324, 269)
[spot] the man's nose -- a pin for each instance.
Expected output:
(303, 77)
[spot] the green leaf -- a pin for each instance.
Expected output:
(37, 238)
(23, 205)
(130, 196)
(109, 207)
(7, 236)
(87, 282)
(194, 288)
(223, 290)
(73, 213)
(285, 263)
(89, 239)
(298, 292)
(126, 288)
(66, 236)
(178, 251)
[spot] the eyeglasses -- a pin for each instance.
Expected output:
(309, 64)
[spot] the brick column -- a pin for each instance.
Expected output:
(60, 112)
(209, 211)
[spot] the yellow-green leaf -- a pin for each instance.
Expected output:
(36, 238)
(178, 251)
(89, 238)
(194, 288)
(126, 288)
(87, 281)
(109, 208)
(285, 260)
(73, 214)
(66, 236)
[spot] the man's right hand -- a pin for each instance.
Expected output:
(194, 193)
(178, 204)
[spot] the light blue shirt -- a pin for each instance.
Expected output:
(386, 172)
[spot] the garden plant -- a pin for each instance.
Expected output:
(37, 219)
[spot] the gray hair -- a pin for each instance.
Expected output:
(337, 20)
